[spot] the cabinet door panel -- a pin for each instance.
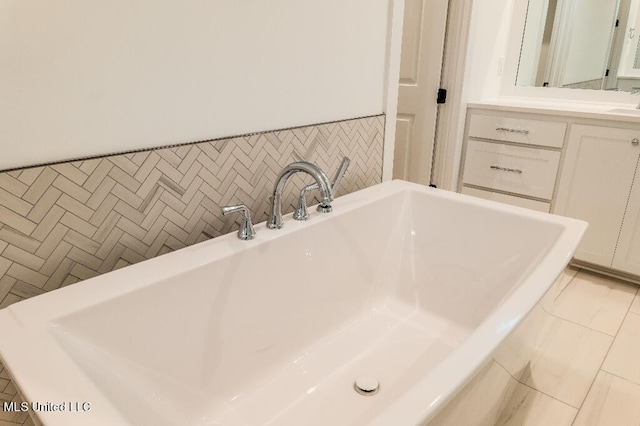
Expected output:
(594, 186)
(627, 256)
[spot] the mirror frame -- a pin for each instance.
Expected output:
(508, 86)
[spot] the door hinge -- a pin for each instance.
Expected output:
(606, 73)
(617, 22)
(442, 96)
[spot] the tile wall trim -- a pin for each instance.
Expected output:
(177, 145)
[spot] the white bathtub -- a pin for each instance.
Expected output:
(411, 285)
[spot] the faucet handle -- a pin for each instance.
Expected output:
(301, 211)
(246, 231)
(324, 208)
(339, 174)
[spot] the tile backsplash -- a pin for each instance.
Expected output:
(70, 221)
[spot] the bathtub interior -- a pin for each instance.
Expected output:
(276, 332)
(461, 262)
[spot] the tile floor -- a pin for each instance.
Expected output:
(586, 367)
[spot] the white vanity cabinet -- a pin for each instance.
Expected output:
(511, 158)
(578, 163)
(599, 183)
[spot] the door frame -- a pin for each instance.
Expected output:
(451, 115)
(396, 17)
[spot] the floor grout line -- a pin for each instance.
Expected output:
(620, 377)
(549, 311)
(562, 290)
(519, 380)
(605, 358)
(583, 325)
(550, 396)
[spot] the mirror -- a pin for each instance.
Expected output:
(583, 44)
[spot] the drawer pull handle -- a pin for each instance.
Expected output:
(507, 129)
(506, 169)
(635, 142)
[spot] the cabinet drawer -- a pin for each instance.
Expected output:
(532, 132)
(527, 171)
(540, 206)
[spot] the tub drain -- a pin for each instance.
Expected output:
(366, 385)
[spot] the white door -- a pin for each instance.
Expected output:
(598, 170)
(420, 66)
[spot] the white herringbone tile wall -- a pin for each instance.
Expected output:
(66, 222)
(63, 223)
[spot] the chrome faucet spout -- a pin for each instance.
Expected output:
(275, 219)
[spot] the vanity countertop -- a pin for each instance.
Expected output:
(594, 110)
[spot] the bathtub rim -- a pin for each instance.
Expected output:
(458, 369)
(418, 404)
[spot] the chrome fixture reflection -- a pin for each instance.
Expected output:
(301, 212)
(275, 219)
(246, 231)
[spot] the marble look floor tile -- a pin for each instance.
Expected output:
(480, 402)
(622, 359)
(595, 301)
(566, 360)
(611, 401)
(528, 407)
(558, 287)
(635, 306)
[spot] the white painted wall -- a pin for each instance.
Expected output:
(83, 78)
